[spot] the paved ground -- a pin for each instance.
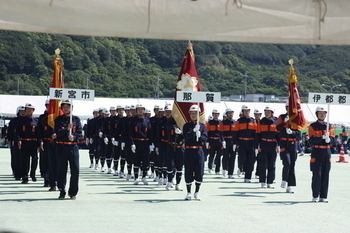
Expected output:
(108, 204)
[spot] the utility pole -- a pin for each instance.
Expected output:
(157, 91)
(245, 76)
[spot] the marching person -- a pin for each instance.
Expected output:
(268, 138)
(320, 163)
(116, 142)
(257, 117)
(141, 146)
(215, 143)
(47, 155)
(175, 150)
(344, 137)
(108, 129)
(89, 137)
(12, 142)
(103, 139)
(288, 150)
(27, 138)
(195, 137)
(229, 151)
(154, 154)
(125, 145)
(67, 134)
(245, 134)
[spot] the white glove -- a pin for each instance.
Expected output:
(122, 145)
(327, 140)
(234, 147)
(100, 134)
(198, 134)
(289, 131)
(91, 140)
(207, 145)
(224, 144)
(106, 141)
(278, 149)
(256, 151)
(133, 148)
(151, 148)
(326, 135)
(196, 128)
(113, 141)
(116, 143)
(157, 150)
(87, 141)
(286, 119)
(178, 131)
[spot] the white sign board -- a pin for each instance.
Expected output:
(328, 98)
(72, 94)
(2, 123)
(198, 96)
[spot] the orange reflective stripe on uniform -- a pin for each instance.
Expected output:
(321, 147)
(141, 139)
(312, 160)
(193, 147)
(28, 139)
(67, 143)
(268, 140)
(247, 139)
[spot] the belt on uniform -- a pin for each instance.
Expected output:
(193, 147)
(48, 139)
(246, 139)
(141, 139)
(228, 136)
(322, 147)
(164, 140)
(28, 139)
(288, 139)
(67, 143)
(214, 138)
(268, 140)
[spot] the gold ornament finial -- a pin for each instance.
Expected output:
(57, 51)
(291, 62)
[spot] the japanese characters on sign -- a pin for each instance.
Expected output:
(328, 98)
(72, 94)
(198, 96)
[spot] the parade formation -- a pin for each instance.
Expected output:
(125, 143)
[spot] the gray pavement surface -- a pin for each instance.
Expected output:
(109, 204)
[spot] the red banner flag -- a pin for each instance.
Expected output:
(296, 115)
(188, 81)
(57, 82)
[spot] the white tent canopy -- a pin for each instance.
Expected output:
(263, 21)
(8, 104)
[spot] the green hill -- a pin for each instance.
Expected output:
(121, 67)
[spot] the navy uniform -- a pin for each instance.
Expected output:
(268, 138)
(320, 162)
(288, 151)
(161, 140)
(245, 134)
(103, 140)
(95, 130)
(89, 134)
(229, 152)
(47, 156)
(27, 137)
(215, 143)
(12, 141)
(194, 155)
(141, 146)
(67, 150)
(175, 150)
(125, 140)
(116, 138)
(108, 129)
(153, 160)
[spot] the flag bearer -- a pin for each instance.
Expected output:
(320, 163)
(67, 151)
(195, 137)
(288, 150)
